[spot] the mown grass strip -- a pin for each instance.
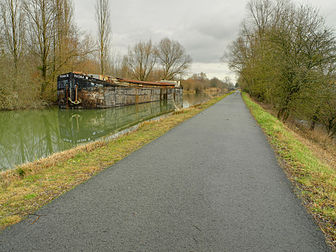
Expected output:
(315, 179)
(29, 187)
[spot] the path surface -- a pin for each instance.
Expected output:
(210, 184)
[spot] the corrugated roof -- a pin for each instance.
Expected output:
(152, 83)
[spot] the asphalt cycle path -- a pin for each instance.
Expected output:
(210, 184)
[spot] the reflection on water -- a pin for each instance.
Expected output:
(193, 99)
(29, 135)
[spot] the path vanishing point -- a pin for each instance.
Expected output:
(210, 184)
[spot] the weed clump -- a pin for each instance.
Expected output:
(20, 172)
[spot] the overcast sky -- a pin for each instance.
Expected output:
(203, 27)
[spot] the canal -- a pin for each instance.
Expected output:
(29, 135)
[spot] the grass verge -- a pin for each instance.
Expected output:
(314, 178)
(29, 187)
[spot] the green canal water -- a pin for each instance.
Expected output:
(29, 135)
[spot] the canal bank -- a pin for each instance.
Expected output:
(24, 190)
(29, 135)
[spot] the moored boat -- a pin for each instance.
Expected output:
(79, 90)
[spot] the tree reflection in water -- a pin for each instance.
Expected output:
(29, 135)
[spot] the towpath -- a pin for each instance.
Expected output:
(210, 184)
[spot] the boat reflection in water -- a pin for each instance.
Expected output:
(82, 126)
(26, 136)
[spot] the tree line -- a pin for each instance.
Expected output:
(39, 40)
(285, 55)
(200, 83)
(167, 60)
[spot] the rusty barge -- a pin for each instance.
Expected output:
(89, 91)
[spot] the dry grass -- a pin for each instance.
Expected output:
(307, 165)
(29, 187)
(316, 140)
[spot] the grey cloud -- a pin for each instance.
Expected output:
(218, 31)
(205, 28)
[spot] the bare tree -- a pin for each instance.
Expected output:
(63, 34)
(260, 12)
(67, 47)
(13, 28)
(173, 58)
(104, 31)
(141, 60)
(41, 16)
(64, 21)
